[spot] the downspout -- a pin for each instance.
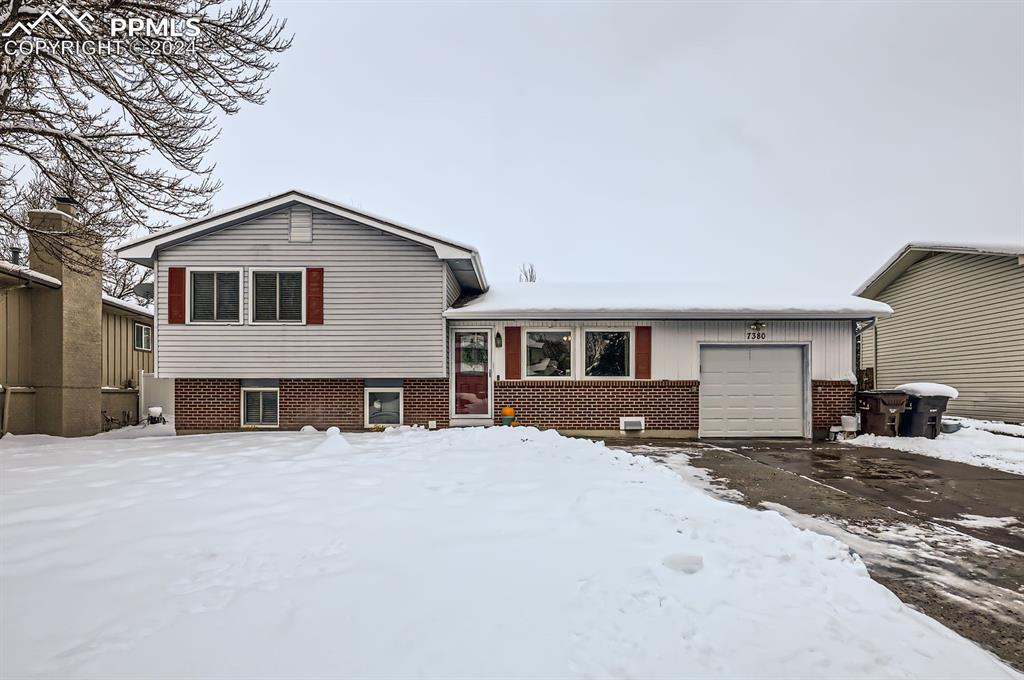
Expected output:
(875, 337)
(7, 410)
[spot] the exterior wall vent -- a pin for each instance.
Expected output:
(301, 224)
(633, 424)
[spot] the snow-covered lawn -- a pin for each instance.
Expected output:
(467, 553)
(971, 445)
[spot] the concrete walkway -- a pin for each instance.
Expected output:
(946, 538)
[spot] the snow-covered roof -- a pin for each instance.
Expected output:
(660, 301)
(917, 250)
(26, 274)
(127, 306)
(463, 259)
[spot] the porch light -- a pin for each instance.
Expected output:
(757, 326)
(497, 339)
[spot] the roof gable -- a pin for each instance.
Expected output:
(916, 251)
(464, 259)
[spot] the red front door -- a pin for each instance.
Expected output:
(471, 362)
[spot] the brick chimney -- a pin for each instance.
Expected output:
(66, 332)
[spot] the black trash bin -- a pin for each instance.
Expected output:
(880, 411)
(923, 416)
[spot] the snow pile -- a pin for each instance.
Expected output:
(460, 553)
(996, 426)
(971, 446)
(929, 389)
(333, 444)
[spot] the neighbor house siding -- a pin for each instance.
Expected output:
(121, 361)
(957, 319)
(383, 298)
(675, 345)
(16, 337)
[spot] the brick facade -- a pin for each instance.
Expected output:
(321, 402)
(598, 404)
(829, 400)
(214, 404)
(207, 403)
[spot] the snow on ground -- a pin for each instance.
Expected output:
(461, 553)
(969, 445)
(996, 426)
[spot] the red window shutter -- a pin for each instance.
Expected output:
(513, 353)
(314, 295)
(643, 353)
(176, 295)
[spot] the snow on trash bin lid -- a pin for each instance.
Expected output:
(927, 389)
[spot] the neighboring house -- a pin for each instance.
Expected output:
(958, 318)
(295, 310)
(68, 353)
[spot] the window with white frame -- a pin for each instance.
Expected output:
(259, 407)
(383, 406)
(143, 337)
(606, 353)
(548, 354)
(214, 296)
(277, 296)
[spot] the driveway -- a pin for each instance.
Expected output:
(946, 538)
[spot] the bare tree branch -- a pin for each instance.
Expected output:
(126, 132)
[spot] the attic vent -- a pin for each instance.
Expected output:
(634, 424)
(301, 224)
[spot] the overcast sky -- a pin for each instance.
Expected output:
(661, 141)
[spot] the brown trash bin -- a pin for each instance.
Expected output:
(880, 411)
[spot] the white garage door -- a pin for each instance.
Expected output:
(751, 392)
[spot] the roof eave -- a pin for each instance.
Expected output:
(659, 315)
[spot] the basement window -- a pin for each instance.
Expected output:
(259, 407)
(143, 337)
(383, 406)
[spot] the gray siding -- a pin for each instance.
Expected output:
(957, 319)
(452, 289)
(383, 298)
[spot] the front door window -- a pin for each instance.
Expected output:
(471, 363)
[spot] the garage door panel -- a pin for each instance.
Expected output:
(752, 392)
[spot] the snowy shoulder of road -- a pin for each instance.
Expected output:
(463, 553)
(968, 445)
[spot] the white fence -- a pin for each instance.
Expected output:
(155, 391)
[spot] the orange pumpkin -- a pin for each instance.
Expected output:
(515, 423)
(508, 411)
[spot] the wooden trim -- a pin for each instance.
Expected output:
(314, 295)
(642, 369)
(513, 352)
(176, 295)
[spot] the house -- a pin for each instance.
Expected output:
(69, 354)
(296, 310)
(958, 318)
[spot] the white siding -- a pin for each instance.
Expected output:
(383, 298)
(957, 319)
(675, 345)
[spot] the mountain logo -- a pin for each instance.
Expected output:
(61, 19)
